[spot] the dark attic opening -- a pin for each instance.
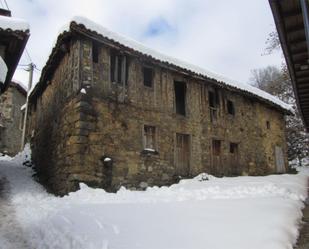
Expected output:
(230, 107)
(180, 97)
(95, 52)
(148, 76)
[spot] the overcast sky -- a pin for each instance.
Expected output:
(226, 37)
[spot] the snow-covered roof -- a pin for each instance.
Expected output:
(140, 48)
(17, 82)
(14, 24)
(3, 70)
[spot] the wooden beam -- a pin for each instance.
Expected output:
(302, 61)
(295, 29)
(303, 95)
(293, 13)
(303, 84)
(302, 73)
(304, 104)
(300, 57)
(297, 41)
(303, 91)
(297, 48)
(302, 53)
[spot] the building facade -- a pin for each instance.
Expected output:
(11, 118)
(110, 115)
(14, 34)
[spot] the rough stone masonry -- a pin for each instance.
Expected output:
(109, 116)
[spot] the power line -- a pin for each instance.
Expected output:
(27, 53)
(7, 6)
(23, 65)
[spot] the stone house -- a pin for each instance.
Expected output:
(109, 112)
(11, 118)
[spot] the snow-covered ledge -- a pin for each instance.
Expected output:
(3, 70)
(14, 24)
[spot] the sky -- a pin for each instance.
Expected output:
(225, 37)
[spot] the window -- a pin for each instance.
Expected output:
(267, 124)
(148, 76)
(216, 147)
(95, 52)
(211, 99)
(118, 68)
(149, 137)
(182, 154)
(233, 148)
(180, 97)
(230, 107)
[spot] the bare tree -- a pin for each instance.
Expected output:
(277, 82)
(266, 78)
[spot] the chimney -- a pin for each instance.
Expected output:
(4, 12)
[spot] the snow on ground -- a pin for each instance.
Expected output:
(233, 213)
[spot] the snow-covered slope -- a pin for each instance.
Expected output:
(132, 44)
(204, 212)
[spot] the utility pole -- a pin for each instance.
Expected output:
(23, 137)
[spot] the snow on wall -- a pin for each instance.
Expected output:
(130, 43)
(14, 24)
(3, 70)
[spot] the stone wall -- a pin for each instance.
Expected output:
(74, 135)
(52, 124)
(10, 121)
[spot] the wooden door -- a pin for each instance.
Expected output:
(182, 154)
(234, 159)
(216, 161)
(280, 167)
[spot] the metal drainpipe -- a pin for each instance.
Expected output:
(23, 137)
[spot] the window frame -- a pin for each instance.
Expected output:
(144, 68)
(95, 52)
(216, 147)
(153, 137)
(119, 60)
(268, 125)
(230, 106)
(234, 148)
(184, 111)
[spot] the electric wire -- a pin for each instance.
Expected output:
(7, 6)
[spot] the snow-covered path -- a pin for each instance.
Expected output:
(217, 213)
(11, 234)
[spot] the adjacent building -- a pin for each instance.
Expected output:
(14, 34)
(11, 118)
(109, 112)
